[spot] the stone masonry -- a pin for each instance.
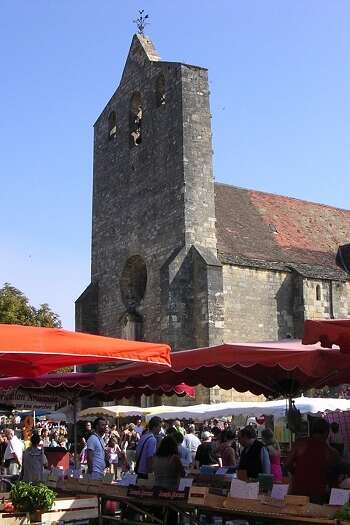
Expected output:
(178, 259)
(154, 202)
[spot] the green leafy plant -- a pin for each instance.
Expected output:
(27, 497)
(343, 513)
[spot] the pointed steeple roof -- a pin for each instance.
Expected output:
(141, 50)
(147, 45)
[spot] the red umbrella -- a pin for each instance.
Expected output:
(282, 368)
(328, 332)
(30, 351)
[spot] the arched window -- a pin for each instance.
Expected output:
(318, 293)
(160, 90)
(135, 120)
(112, 125)
(133, 284)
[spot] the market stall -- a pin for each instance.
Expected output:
(284, 368)
(275, 408)
(215, 499)
(31, 351)
(267, 368)
(113, 411)
(328, 332)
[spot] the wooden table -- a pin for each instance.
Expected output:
(155, 509)
(192, 512)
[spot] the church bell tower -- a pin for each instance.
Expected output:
(154, 270)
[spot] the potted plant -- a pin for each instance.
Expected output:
(34, 499)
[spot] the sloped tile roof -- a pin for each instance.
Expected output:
(265, 230)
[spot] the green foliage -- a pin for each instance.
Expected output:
(46, 317)
(16, 309)
(338, 392)
(343, 513)
(27, 497)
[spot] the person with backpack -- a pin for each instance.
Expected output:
(147, 447)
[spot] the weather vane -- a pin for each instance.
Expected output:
(141, 21)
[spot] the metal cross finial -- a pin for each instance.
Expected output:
(141, 21)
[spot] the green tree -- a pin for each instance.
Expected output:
(16, 309)
(46, 317)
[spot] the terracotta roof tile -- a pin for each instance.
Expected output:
(257, 226)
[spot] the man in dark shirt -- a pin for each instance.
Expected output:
(254, 456)
(314, 464)
(206, 454)
(215, 429)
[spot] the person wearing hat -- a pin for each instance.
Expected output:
(206, 454)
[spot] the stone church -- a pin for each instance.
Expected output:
(180, 259)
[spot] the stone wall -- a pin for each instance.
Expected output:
(86, 310)
(341, 299)
(326, 299)
(258, 304)
(152, 202)
(154, 272)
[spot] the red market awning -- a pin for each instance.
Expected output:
(328, 333)
(30, 351)
(48, 391)
(168, 390)
(281, 368)
(83, 383)
(67, 381)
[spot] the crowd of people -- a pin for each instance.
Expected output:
(25, 458)
(216, 444)
(168, 450)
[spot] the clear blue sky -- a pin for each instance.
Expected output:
(280, 88)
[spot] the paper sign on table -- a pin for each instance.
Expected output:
(238, 488)
(128, 479)
(184, 483)
(244, 490)
(253, 490)
(279, 491)
(197, 495)
(339, 496)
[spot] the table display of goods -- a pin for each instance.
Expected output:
(215, 495)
